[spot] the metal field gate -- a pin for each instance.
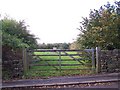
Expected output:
(57, 60)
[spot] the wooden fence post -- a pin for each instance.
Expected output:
(98, 65)
(60, 60)
(28, 58)
(25, 65)
(93, 60)
(1, 54)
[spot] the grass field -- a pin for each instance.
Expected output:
(50, 70)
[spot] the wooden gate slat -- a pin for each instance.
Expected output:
(58, 64)
(58, 55)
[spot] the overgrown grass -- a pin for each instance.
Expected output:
(47, 71)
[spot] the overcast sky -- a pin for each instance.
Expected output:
(53, 21)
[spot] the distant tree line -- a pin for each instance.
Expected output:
(101, 28)
(52, 45)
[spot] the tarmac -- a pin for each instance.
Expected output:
(112, 77)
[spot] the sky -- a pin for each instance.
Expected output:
(52, 21)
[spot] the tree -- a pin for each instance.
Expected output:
(101, 28)
(16, 35)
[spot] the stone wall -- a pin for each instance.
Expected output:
(12, 64)
(110, 60)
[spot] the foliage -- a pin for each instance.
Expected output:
(102, 28)
(74, 45)
(16, 35)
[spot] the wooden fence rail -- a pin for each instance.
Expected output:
(59, 54)
(58, 64)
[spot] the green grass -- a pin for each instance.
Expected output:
(47, 71)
